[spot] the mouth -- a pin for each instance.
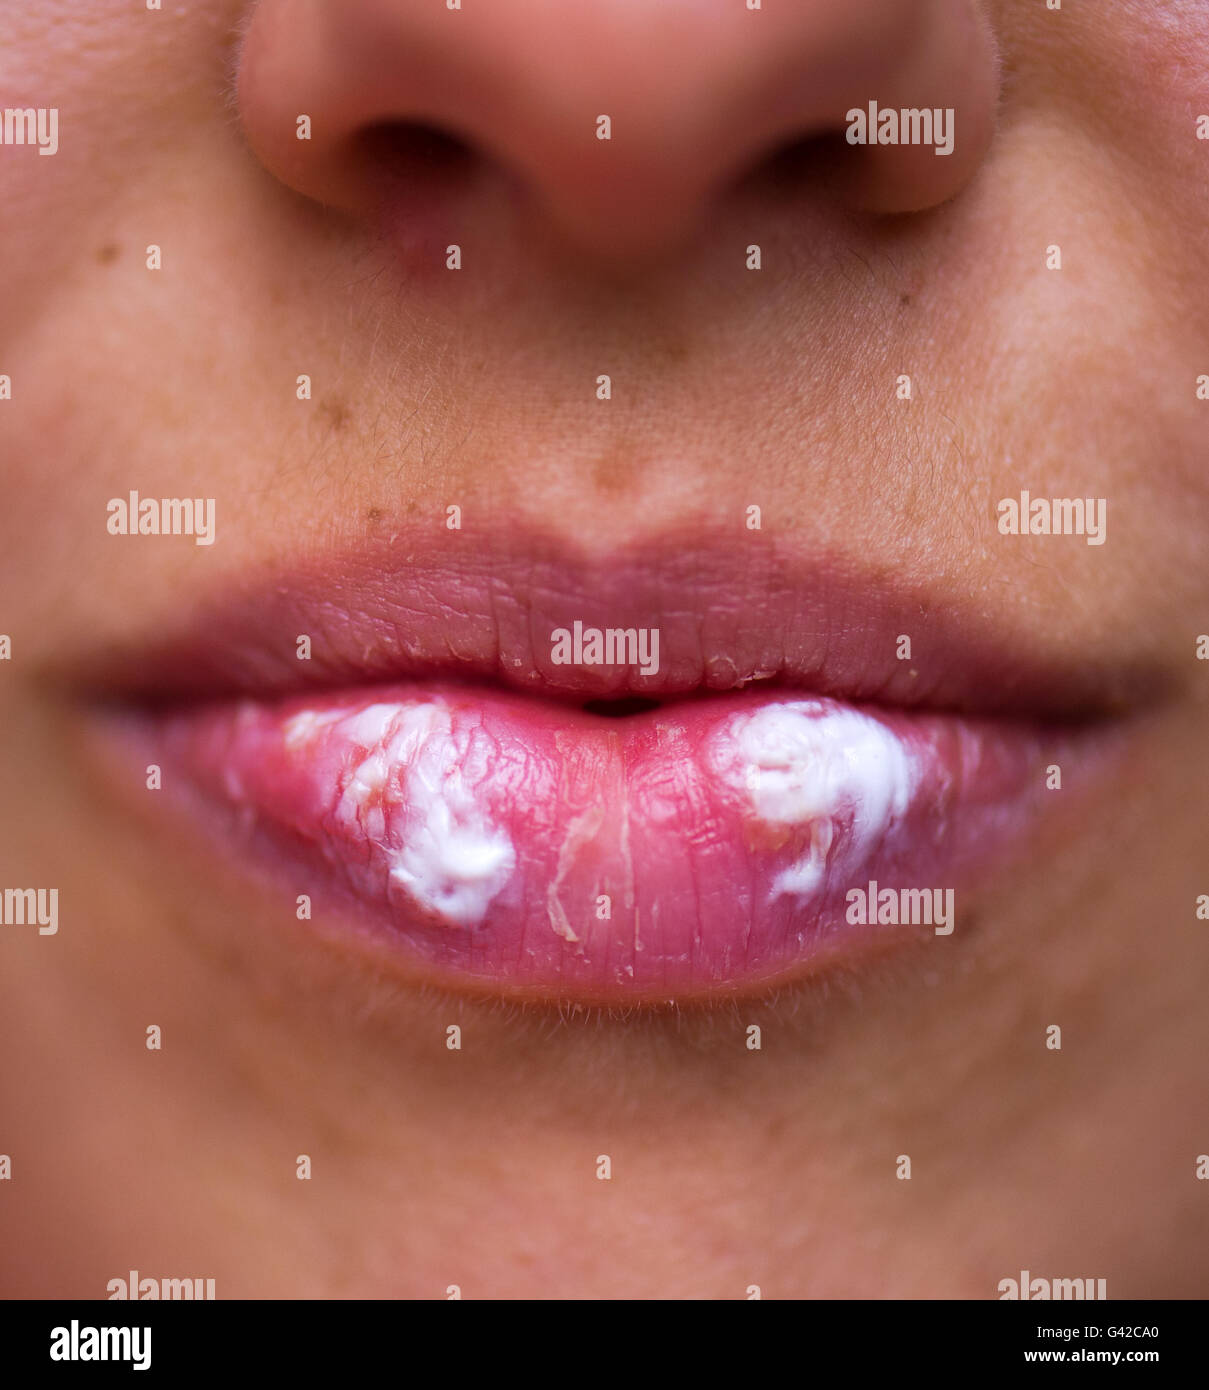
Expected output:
(679, 773)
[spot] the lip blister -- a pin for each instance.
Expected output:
(683, 850)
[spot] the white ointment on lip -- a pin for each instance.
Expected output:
(452, 859)
(809, 762)
(414, 789)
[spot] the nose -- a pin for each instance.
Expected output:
(618, 122)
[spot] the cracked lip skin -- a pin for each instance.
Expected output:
(452, 798)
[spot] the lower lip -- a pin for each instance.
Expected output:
(703, 848)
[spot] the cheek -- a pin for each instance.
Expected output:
(1138, 86)
(127, 85)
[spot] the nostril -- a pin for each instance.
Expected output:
(419, 177)
(415, 154)
(622, 707)
(805, 162)
(809, 166)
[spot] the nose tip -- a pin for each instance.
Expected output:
(620, 120)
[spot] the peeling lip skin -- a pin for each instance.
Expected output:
(433, 781)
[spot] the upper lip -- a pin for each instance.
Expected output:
(731, 613)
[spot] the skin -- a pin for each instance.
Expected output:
(730, 1167)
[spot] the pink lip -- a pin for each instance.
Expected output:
(521, 843)
(733, 609)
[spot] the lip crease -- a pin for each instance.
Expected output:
(432, 779)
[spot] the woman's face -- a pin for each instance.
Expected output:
(450, 372)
